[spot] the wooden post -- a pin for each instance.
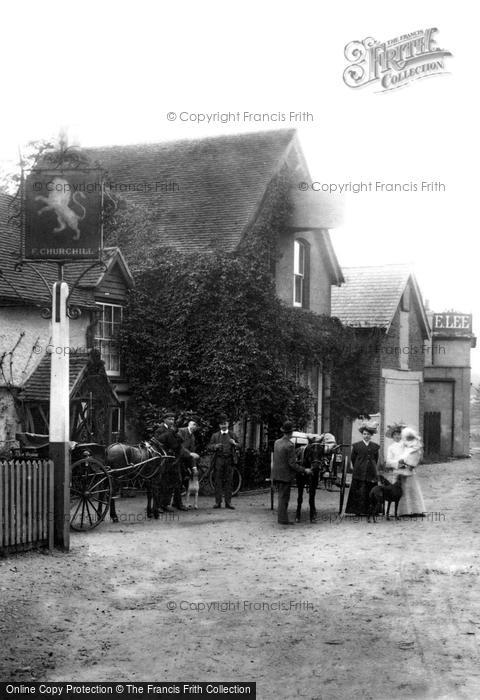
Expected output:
(60, 416)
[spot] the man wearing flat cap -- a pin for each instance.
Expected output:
(364, 460)
(284, 469)
(165, 433)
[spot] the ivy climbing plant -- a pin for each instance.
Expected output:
(207, 332)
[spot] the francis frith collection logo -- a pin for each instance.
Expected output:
(396, 62)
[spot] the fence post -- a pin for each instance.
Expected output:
(50, 482)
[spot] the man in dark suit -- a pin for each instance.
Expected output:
(364, 460)
(284, 469)
(169, 439)
(188, 436)
(224, 445)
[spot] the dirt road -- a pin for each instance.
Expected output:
(338, 609)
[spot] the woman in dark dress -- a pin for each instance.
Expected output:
(364, 460)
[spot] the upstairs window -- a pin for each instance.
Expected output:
(301, 274)
(106, 336)
(298, 273)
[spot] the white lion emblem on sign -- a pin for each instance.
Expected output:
(58, 201)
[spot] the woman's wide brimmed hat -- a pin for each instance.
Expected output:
(369, 426)
(394, 428)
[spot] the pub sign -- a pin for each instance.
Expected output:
(62, 214)
(451, 323)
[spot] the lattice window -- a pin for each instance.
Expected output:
(106, 336)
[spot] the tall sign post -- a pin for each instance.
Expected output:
(62, 222)
(60, 416)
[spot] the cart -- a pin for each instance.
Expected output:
(93, 484)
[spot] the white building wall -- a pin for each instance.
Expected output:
(27, 336)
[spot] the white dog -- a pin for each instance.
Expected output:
(193, 488)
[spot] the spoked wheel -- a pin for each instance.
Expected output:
(236, 481)
(205, 481)
(343, 484)
(90, 493)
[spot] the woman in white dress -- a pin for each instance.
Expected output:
(411, 502)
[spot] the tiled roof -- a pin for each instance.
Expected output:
(37, 386)
(26, 286)
(209, 192)
(219, 184)
(370, 296)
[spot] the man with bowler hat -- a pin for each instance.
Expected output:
(284, 469)
(224, 445)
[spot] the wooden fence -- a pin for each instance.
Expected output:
(26, 504)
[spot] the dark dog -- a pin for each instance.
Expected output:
(386, 491)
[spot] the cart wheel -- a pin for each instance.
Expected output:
(236, 481)
(343, 484)
(205, 481)
(90, 493)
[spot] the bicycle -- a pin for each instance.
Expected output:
(206, 478)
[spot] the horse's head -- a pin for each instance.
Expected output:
(153, 448)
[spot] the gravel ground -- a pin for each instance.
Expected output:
(336, 609)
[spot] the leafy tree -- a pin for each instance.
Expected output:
(32, 152)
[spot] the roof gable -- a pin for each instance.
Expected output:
(197, 193)
(37, 386)
(201, 194)
(371, 295)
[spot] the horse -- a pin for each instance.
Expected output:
(316, 456)
(121, 458)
